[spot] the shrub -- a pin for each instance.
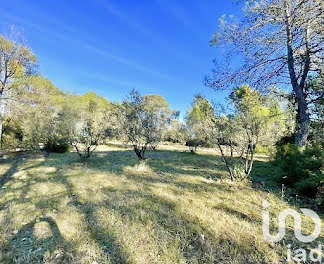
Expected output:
(193, 144)
(12, 134)
(10, 142)
(61, 146)
(303, 168)
(239, 172)
(262, 150)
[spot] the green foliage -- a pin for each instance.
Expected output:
(315, 89)
(145, 120)
(262, 150)
(49, 119)
(58, 146)
(175, 133)
(194, 143)
(16, 63)
(319, 200)
(12, 134)
(155, 102)
(254, 120)
(92, 122)
(43, 116)
(239, 172)
(200, 111)
(303, 168)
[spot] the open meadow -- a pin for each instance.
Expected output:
(177, 208)
(162, 132)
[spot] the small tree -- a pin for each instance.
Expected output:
(158, 111)
(144, 121)
(176, 131)
(226, 133)
(40, 110)
(193, 144)
(237, 130)
(195, 136)
(91, 124)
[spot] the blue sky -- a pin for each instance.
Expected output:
(109, 47)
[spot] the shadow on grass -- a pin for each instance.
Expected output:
(162, 162)
(143, 207)
(29, 246)
(167, 167)
(237, 214)
(264, 175)
(104, 238)
(14, 163)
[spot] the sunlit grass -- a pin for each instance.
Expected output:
(176, 208)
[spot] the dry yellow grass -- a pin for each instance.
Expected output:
(178, 208)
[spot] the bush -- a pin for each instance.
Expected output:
(193, 144)
(12, 134)
(265, 150)
(10, 142)
(173, 138)
(60, 146)
(303, 169)
(239, 172)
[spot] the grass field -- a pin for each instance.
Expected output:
(178, 208)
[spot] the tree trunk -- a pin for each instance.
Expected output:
(303, 117)
(228, 164)
(2, 110)
(140, 153)
(231, 173)
(1, 125)
(46, 153)
(88, 152)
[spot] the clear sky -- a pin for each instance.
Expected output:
(109, 47)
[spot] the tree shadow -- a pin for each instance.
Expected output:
(197, 243)
(238, 214)
(104, 238)
(39, 241)
(264, 175)
(14, 163)
(166, 167)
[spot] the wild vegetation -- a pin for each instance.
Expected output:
(87, 180)
(178, 208)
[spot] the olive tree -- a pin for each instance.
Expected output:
(236, 130)
(52, 119)
(281, 43)
(145, 119)
(94, 116)
(255, 116)
(176, 131)
(199, 110)
(160, 115)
